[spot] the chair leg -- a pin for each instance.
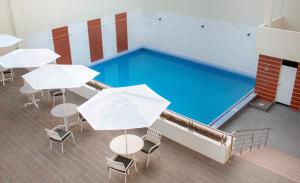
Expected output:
(125, 178)
(135, 167)
(158, 152)
(109, 174)
(53, 101)
(62, 148)
(148, 159)
(73, 138)
(128, 172)
(3, 78)
(50, 144)
(11, 76)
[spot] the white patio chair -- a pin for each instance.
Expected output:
(120, 164)
(55, 93)
(81, 119)
(151, 143)
(4, 74)
(59, 134)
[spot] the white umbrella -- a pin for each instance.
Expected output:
(52, 76)
(28, 58)
(7, 40)
(123, 108)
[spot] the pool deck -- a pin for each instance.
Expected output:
(25, 155)
(284, 123)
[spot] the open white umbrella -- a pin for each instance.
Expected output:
(59, 76)
(7, 40)
(123, 108)
(28, 58)
(52, 76)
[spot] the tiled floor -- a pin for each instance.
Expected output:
(284, 124)
(25, 155)
(275, 161)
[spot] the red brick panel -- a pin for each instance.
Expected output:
(121, 32)
(267, 77)
(95, 39)
(295, 103)
(62, 45)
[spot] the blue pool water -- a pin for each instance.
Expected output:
(198, 91)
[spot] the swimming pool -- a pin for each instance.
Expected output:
(197, 91)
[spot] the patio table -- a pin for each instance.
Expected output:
(28, 90)
(134, 144)
(64, 111)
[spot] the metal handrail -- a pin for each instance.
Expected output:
(249, 139)
(261, 129)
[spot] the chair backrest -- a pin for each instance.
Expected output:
(81, 117)
(52, 134)
(114, 164)
(153, 136)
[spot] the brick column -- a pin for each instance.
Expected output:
(295, 103)
(267, 77)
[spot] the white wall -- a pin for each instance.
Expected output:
(281, 39)
(6, 23)
(279, 43)
(239, 11)
(78, 35)
(37, 15)
(292, 14)
(220, 43)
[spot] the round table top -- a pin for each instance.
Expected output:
(134, 144)
(64, 110)
(3, 69)
(27, 89)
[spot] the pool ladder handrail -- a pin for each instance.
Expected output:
(249, 139)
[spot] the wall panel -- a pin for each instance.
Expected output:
(62, 45)
(267, 77)
(121, 32)
(95, 39)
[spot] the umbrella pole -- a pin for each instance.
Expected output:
(64, 95)
(65, 118)
(126, 142)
